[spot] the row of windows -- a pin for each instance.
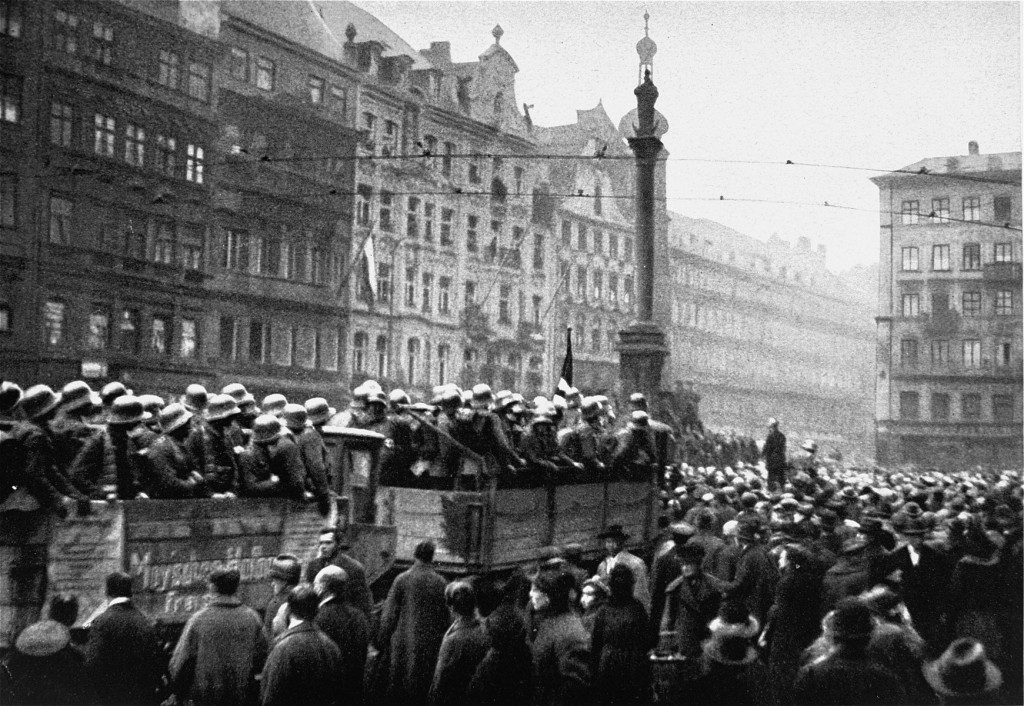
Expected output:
(425, 364)
(970, 351)
(126, 329)
(970, 303)
(941, 261)
(94, 41)
(910, 211)
(278, 343)
(594, 241)
(262, 72)
(196, 81)
(127, 141)
(289, 256)
(134, 235)
(591, 286)
(940, 406)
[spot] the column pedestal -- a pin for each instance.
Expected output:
(642, 354)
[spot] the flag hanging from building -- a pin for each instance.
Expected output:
(565, 379)
(371, 263)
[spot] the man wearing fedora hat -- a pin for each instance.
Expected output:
(32, 479)
(757, 574)
(692, 602)
(846, 674)
(109, 463)
(965, 675)
(925, 573)
(167, 468)
(614, 538)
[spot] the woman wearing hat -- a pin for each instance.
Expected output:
(732, 674)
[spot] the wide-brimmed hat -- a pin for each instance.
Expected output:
(38, 400)
(613, 532)
(294, 416)
(127, 410)
(77, 394)
(733, 650)
(222, 407)
(963, 670)
(174, 416)
(266, 429)
(318, 411)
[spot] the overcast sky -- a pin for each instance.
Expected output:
(856, 84)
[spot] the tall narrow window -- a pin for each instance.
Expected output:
(188, 343)
(581, 238)
(386, 203)
(102, 42)
(228, 338)
(413, 361)
(537, 301)
(61, 211)
(940, 406)
(597, 199)
(265, 70)
(163, 243)
(910, 405)
(413, 218)
(447, 215)
(940, 258)
(972, 257)
(257, 341)
(199, 81)
(908, 353)
(239, 64)
(169, 72)
(940, 353)
(566, 234)
(1002, 408)
(159, 334)
(581, 283)
(8, 200)
(103, 135)
(62, 118)
(65, 31)
(128, 333)
(428, 221)
(364, 195)
(911, 304)
(382, 356)
(97, 336)
(1002, 252)
(538, 251)
(194, 164)
(428, 285)
(909, 212)
(1004, 302)
(443, 356)
(410, 286)
(470, 297)
(505, 305)
(1002, 209)
(972, 208)
(316, 90)
(444, 295)
(970, 406)
(53, 322)
(971, 304)
(940, 211)
(472, 223)
(972, 353)
(909, 261)
(134, 145)
(383, 283)
(10, 18)
(446, 159)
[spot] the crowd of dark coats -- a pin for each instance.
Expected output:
(800, 583)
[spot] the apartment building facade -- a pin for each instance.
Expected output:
(948, 352)
(763, 329)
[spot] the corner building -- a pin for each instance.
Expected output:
(948, 356)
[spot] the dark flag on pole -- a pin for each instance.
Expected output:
(565, 379)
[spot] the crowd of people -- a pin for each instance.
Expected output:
(773, 580)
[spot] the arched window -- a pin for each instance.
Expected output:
(597, 200)
(413, 360)
(382, 356)
(359, 343)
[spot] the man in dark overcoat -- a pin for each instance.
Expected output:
(123, 656)
(331, 546)
(413, 625)
(346, 625)
(774, 453)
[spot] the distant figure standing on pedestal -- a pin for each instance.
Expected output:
(774, 453)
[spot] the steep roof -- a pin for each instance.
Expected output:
(320, 26)
(959, 164)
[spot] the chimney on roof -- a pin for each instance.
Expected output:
(439, 53)
(972, 147)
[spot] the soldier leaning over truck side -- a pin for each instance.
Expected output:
(108, 464)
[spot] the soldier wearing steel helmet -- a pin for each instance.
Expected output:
(71, 428)
(313, 452)
(167, 469)
(213, 444)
